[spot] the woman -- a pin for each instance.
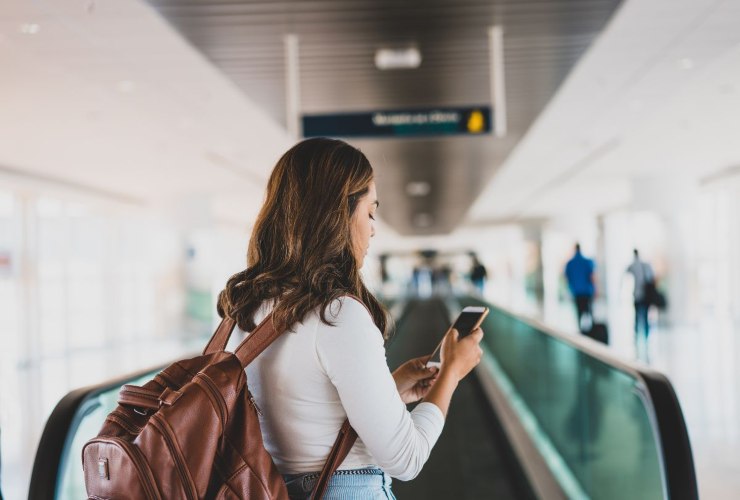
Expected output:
(304, 260)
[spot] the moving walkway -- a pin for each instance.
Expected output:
(546, 415)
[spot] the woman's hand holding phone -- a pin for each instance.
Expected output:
(460, 355)
(454, 357)
(467, 322)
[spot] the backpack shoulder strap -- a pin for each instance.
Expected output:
(257, 341)
(221, 336)
(342, 446)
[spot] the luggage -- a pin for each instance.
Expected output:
(653, 296)
(599, 332)
(193, 432)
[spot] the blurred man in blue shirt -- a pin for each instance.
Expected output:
(579, 271)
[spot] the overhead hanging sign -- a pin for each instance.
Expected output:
(403, 123)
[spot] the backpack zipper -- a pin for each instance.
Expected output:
(187, 481)
(140, 463)
(254, 403)
(210, 386)
(121, 419)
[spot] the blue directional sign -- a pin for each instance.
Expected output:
(400, 123)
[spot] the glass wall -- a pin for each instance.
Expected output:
(89, 289)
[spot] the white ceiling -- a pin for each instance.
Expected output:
(656, 96)
(105, 96)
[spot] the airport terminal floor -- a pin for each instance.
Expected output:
(546, 415)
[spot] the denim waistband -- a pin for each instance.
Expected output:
(368, 471)
(347, 484)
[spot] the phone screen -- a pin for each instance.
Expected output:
(470, 318)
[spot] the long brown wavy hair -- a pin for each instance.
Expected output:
(300, 253)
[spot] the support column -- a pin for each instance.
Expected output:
(533, 268)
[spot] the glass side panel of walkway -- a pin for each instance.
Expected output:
(606, 428)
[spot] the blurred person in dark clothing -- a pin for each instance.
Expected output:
(643, 275)
(579, 271)
(478, 274)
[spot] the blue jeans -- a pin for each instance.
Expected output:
(352, 484)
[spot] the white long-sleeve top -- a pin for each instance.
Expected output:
(314, 377)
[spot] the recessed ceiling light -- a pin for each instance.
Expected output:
(407, 58)
(687, 63)
(29, 28)
(126, 86)
(418, 188)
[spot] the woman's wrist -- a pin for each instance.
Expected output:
(441, 392)
(447, 373)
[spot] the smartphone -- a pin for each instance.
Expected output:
(470, 318)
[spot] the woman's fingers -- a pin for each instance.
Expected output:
(476, 335)
(416, 369)
(454, 334)
(463, 354)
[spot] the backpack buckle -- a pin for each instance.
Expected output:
(168, 397)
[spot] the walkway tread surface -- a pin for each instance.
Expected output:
(469, 461)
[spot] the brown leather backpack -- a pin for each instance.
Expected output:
(193, 432)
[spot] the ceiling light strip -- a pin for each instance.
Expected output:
(498, 85)
(292, 86)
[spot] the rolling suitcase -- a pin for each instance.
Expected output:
(599, 332)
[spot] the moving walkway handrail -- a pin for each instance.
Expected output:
(674, 443)
(61, 427)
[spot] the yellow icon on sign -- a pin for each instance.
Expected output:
(476, 122)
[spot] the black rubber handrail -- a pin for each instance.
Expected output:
(60, 429)
(675, 446)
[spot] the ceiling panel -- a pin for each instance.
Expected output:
(337, 43)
